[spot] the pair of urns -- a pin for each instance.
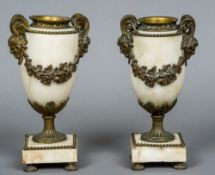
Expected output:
(48, 51)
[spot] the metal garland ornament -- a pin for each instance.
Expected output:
(46, 75)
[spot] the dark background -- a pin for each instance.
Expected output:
(102, 109)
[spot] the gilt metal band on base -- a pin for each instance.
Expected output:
(157, 145)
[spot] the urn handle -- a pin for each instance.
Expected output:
(128, 26)
(189, 42)
(82, 25)
(18, 25)
(17, 42)
(187, 25)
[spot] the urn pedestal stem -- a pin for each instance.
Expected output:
(49, 133)
(157, 132)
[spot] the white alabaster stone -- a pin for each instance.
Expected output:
(157, 51)
(48, 50)
(49, 153)
(146, 152)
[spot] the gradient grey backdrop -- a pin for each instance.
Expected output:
(102, 109)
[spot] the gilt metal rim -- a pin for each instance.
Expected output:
(157, 23)
(158, 20)
(50, 21)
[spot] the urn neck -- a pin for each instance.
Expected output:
(50, 22)
(157, 23)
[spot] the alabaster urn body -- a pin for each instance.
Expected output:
(48, 52)
(157, 49)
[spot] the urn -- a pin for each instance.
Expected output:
(157, 49)
(48, 52)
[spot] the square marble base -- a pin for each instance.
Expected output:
(61, 152)
(146, 152)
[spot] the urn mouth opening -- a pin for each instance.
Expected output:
(158, 23)
(156, 20)
(50, 21)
